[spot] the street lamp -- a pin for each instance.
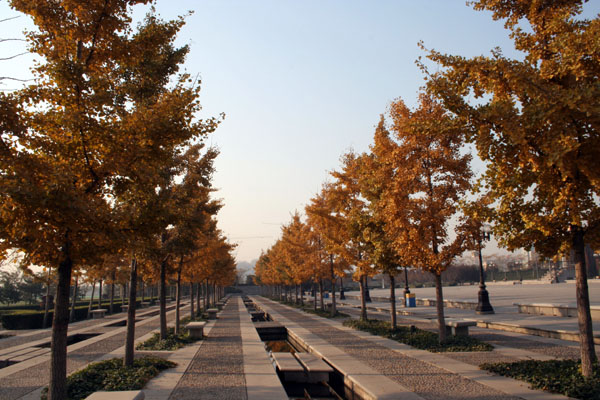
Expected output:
(483, 302)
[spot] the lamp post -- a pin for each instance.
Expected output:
(483, 298)
(406, 289)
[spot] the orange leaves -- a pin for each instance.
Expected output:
(430, 178)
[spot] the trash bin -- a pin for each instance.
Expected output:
(325, 295)
(411, 300)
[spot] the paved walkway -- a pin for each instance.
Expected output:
(217, 369)
(430, 376)
(25, 380)
(502, 298)
(231, 363)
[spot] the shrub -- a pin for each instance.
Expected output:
(111, 375)
(557, 376)
(419, 338)
(172, 342)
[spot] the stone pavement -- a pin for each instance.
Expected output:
(427, 375)
(231, 363)
(502, 297)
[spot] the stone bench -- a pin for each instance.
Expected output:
(124, 308)
(144, 304)
(196, 329)
(289, 366)
(458, 327)
(124, 395)
(212, 313)
(99, 313)
(316, 369)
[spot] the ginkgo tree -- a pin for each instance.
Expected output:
(432, 177)
(535, 123)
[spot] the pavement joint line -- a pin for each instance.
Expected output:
(262, 382)
(360, 377)
(99, 325)
(35, 395)
(163, 384)
(506, 385)
(486, 323)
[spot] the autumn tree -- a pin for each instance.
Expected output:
(55, 173)
(535, 123)
(431, 179)
(350, 208)
(375, 172)
(296, 251)
(328, 225)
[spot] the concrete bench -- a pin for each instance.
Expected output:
(316, 369)
(124, 395)
(196, 329)
(457, 327)
(144, 304)
(124, 308)
(289, 366)
(99, 313)
(220, 305)
(212, 313)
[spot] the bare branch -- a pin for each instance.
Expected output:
(15, 79)
(11, 57)
(8, 19)
(12, 40)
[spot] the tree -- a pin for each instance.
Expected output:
(351, 211)
(327, 224)
(535, 122)
(9, 287)
(431, 178)
(375, 171)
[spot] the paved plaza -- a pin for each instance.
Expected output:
(232, 363)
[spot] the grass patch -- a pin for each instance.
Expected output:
(556, 376)
(172, 342)
(111, 375)
(419, 338)
(311, 310)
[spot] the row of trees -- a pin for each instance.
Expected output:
(103, 162)
(534, 123)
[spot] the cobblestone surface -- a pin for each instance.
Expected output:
(422, 378)
(19, 384)
(217, 370)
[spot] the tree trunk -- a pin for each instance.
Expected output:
(74, 301)
(100, 295)
(322, 301)
(198, 297)
(439, 303)
(91, 300)
(586, 334)
(314, 290)
(122, 294)
(301, 295)
(393, 300)
(192, 300)
(47, 304)
(363, 300)
(112, 293)
(162, 295)
(60, 326)
(130, 338)
(214, 294)
(333, 305)
(207, 296)
(142, 289)
(178, 296)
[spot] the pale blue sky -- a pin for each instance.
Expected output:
(301, 82)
